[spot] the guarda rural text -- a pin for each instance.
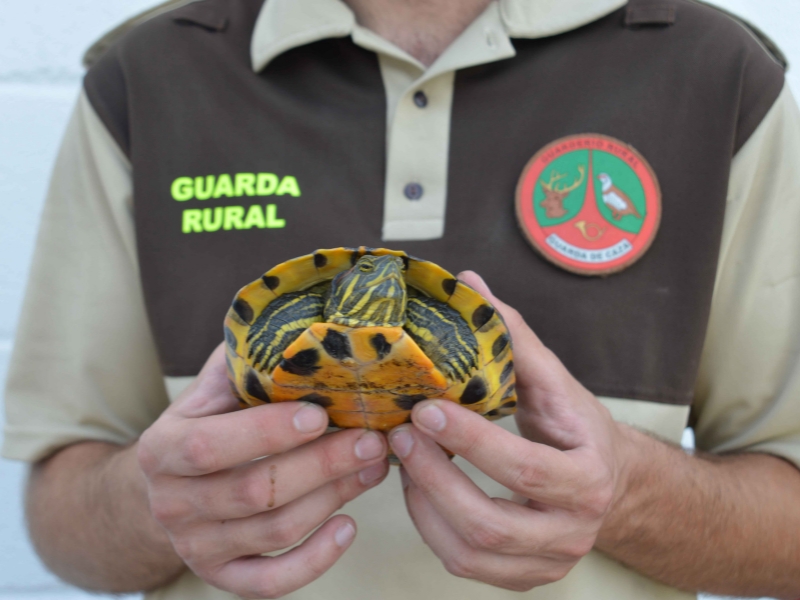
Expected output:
(225, 218)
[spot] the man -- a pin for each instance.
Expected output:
(224, 137)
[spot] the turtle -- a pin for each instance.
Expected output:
(367, 333)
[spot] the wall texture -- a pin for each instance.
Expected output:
(40, 75)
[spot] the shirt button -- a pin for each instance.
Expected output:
(420, 99)
(413, 191)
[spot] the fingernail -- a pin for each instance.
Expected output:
(309, 418)
(344, 535)
(369, 446)
(402, 442)
(370, 474)
(431, 417)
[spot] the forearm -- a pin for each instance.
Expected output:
(90, 521)
(726, 525)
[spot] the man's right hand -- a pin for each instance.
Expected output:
(222, 508)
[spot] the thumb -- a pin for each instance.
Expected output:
(209, 393)
(476, 282)
(521, 333)
(552, 402)
(535, 365)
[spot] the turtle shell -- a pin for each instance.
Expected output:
(363, 376)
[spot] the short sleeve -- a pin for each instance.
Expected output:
(748, 391)
(84, 365)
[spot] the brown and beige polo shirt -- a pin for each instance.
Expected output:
(346, 140)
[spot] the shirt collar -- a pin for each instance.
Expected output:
(543, 18)
(286, 24)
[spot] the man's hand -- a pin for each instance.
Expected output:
(567, 473)
(222, 508)
(724, 525)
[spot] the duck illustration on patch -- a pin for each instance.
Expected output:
(589, 203)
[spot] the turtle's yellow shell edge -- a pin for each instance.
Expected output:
(370, 389)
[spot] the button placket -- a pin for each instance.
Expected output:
(417, 160)
(414, 191)
(418, 131)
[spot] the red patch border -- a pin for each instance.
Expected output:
(526, 218)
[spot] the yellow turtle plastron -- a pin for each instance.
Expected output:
(367, 333)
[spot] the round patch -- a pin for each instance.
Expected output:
(589, 203)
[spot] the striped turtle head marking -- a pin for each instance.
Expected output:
(370, 294)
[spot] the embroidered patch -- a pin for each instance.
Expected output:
(589, 203)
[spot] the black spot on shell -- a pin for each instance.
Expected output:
(408, 402)
(337, 345)
(354, 257)
(315, 398)
(382, 347)
(499, 345)
(243, 309)
(252, 386)
(507, 371)
(492, 413)
(474, 392)
(482, 315)
(230, 339)
(303, 363)
(271, 281)
(449, 286)
(320, 260)
(404, 258)
(512, 404)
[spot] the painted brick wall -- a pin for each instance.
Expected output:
(40, 75)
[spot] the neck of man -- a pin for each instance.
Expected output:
(423, 28)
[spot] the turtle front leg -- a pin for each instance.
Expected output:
(443, 335)
(280, 324)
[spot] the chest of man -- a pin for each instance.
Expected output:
(236, 171)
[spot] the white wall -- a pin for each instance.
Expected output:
(40, 72)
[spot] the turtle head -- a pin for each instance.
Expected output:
(370, 294)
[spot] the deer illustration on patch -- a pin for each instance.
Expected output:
(555, 191)
(589, 203)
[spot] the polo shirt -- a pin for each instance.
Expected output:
(96, 358)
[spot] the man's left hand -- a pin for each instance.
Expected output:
(568, 470)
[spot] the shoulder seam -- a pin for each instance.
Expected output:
(100, 46)
(83, 97)
(110, 107)
(761, 38)
(742, 140)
